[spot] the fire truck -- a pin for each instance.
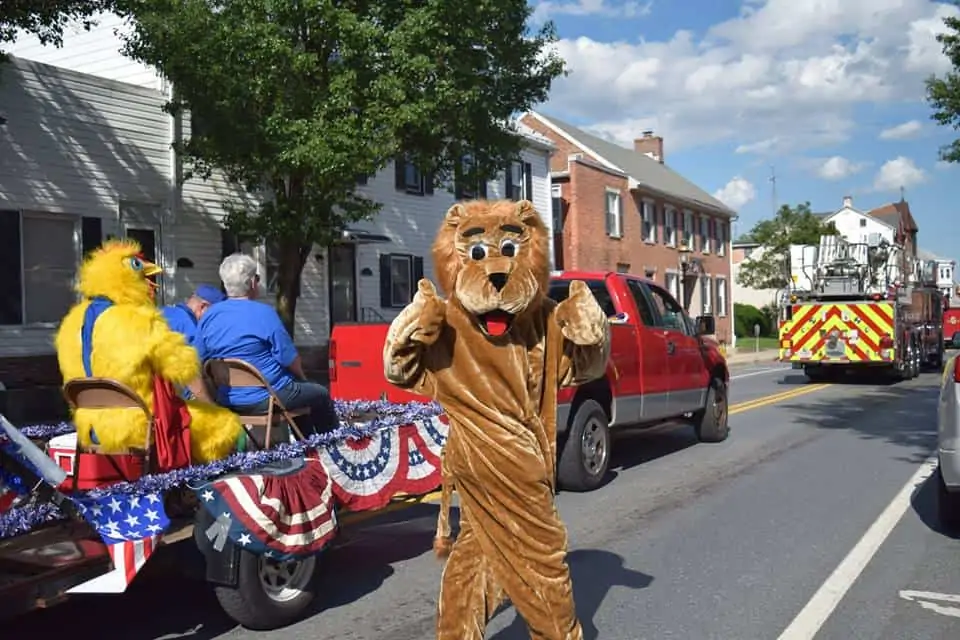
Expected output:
(860, 306)
(951, 319)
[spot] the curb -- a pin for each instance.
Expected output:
(752, 358)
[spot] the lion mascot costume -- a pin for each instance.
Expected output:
(494, 354)
(117, 332)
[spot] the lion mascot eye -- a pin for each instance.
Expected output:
(509, 248)
(478, 251)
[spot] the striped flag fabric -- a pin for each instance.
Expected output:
(131, 527)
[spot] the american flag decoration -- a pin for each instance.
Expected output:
(131, 527)
(283, 511)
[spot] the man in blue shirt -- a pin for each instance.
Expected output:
(184, 316)
(242, 328)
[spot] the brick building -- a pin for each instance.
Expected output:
(620, 209)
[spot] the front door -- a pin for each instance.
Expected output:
(146, 237)
(342, 283)
(683, 352)
(657, 375)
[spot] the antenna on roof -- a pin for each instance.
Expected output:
(902, 191)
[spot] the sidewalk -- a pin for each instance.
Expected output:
(749, 356)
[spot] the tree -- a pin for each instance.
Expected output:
(299, 98)
(769, 268)
(943, 93)
(46, 19)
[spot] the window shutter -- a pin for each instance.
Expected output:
(606, 213)
(11, 290)
(228, 244)
(528, 181)
(400, 173)
(620, 215)
(417, 273)
(386, 300)
(428, 183)
(508, 183)
(656, 222)
(91, 234)
(482, 189)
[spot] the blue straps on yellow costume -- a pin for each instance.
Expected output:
(96, 307)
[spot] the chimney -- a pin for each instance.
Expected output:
(847, 202)
(650, 145)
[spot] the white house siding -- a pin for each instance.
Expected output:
(78, 146)
(857, 226)
(95, 52)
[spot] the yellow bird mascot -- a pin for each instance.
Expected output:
(117, 332)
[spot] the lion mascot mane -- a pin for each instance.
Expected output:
(494, 354)
(131, 343)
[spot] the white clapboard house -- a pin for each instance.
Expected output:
(85, 153)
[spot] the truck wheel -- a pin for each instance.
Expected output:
(948, 505)
(269, 594)
(585, 458)
(710, 423)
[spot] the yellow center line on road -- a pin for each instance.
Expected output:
(407, 502)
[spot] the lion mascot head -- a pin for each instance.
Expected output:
(492, 258)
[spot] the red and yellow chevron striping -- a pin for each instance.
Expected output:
(839, 332)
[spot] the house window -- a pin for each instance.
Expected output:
(704, 234)
(556, 205)
(672, 282)
(399, 275)
(863, 222)
(409, 179)
(466, 187)
(39, 255)
(614, 214)
(705, 295)
(647, 212)
(722, 238)
(670, 227)
(270, 260)
(688, 229)
(623, 267)
(722, 297)
(520, 182)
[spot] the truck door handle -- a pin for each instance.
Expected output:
(671, 347)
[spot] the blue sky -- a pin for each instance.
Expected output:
(830, 94)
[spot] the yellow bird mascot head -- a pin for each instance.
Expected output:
(117, 332)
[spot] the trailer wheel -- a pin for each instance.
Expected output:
(585, 457)
(710, 423)
(269, 594)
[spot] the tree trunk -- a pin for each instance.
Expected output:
(293, 255)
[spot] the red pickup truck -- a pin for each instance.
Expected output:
(662, 368)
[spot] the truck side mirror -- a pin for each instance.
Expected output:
(706, 325)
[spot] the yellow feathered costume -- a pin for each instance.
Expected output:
(132, 343)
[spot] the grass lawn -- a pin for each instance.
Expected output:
(750, 344)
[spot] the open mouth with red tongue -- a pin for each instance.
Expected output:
(495, 323)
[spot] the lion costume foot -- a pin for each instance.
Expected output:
(214, 431)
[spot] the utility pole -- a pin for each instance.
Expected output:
(773, 189)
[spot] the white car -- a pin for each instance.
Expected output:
(948, 446)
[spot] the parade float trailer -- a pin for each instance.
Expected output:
(74, 522)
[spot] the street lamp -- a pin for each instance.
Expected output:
(684, 256)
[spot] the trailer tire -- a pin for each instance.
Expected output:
(259, 602)
(711, 423)
(585, 457)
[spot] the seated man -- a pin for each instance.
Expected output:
(184, 316)
(241, 328)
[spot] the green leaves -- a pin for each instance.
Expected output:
(769, 266)
(943, 93)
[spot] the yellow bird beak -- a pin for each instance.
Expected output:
(150, 269)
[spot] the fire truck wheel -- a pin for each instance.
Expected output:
(585, 457)
(710, 423)
(948, 505)
(269, 594)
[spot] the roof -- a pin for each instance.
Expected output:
(647, 172)
(893, 212)
(531, 136)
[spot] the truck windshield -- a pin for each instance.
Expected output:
(559, 289)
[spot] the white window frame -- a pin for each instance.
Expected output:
(675, 289)
(617, 231)
(670, 226)
(408, 260)
(77, 248)
(688, 229)
(720, 227)
(704, 234)
(720, 284)
(648, 217)
(526, 168)
(706, 301)
(556, 194)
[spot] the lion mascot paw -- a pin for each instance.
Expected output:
(494, 354)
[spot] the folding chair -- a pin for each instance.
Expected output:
(230, 372)
(104, 393)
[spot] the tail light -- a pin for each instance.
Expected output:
(886, 342)
(332, 361)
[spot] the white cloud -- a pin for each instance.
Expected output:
(783, 76)
(736, 193)
(547, 9)
(838, 168)
(897, 173)
(902, 131)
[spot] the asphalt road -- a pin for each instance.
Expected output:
(779, 527)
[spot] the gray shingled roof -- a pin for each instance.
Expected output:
(646, 171)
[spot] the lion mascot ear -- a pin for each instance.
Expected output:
(446, 262)
(538, 242)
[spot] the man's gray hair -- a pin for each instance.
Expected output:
(238, 272)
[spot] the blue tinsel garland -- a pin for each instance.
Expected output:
(375, 416)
